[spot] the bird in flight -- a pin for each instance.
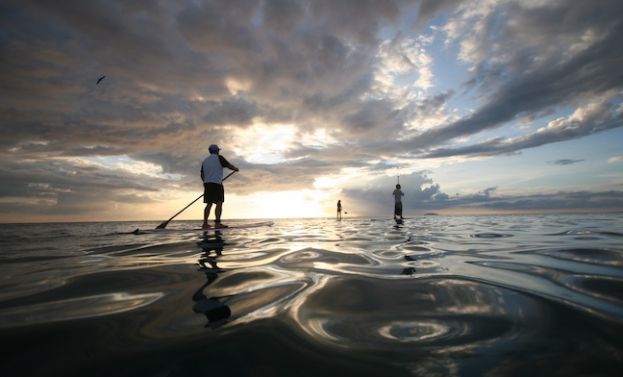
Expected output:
(100, 79)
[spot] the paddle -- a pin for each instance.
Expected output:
(164, 224)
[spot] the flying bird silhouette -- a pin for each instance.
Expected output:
(100, 79)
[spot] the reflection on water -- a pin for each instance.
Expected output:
(214, 308)
(430, 296)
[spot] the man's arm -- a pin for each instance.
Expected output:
(226, 163)
(202, 178)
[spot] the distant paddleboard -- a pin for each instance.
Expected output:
(188, 230)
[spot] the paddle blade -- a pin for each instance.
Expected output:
(163, 225)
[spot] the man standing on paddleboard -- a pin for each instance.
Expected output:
(398, 203)
(339, 210)
(213, 192)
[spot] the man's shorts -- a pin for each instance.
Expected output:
(398, 209)
(213, 193)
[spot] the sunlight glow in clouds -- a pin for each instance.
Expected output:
(264, 144)
(280, 204)
(347, 177)
(267, 144)
(236, 86)
(319, 138)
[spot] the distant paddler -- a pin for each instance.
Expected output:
(339, 210)
(398, 194)
(213, 191)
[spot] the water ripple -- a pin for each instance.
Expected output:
(434, 296)
(75, 308)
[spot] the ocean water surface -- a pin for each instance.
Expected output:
(435, 296)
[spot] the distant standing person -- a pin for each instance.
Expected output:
(213, 192)
(398, 194)
(339, 210)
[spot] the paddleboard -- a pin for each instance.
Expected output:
(188, 230)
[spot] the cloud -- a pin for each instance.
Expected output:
(576, 200)
(427, 9)
(65, 186)
(234, 111)
(354, 81)
(398, 58)
(591, 118)
(523, 66)
(615, 159)
(566, 161)
(422, 193)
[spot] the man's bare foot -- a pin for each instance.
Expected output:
(206, 226)
(220, 226)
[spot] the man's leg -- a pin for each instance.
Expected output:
(217, 212)
(206, 214)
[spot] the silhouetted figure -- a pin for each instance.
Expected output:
(100, 80)
(398, 194)
(339, 210)
(213, 191)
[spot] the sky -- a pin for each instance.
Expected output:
(477, 107)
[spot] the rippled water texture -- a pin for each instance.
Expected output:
(436, 296)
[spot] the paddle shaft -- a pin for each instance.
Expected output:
(164, 224)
